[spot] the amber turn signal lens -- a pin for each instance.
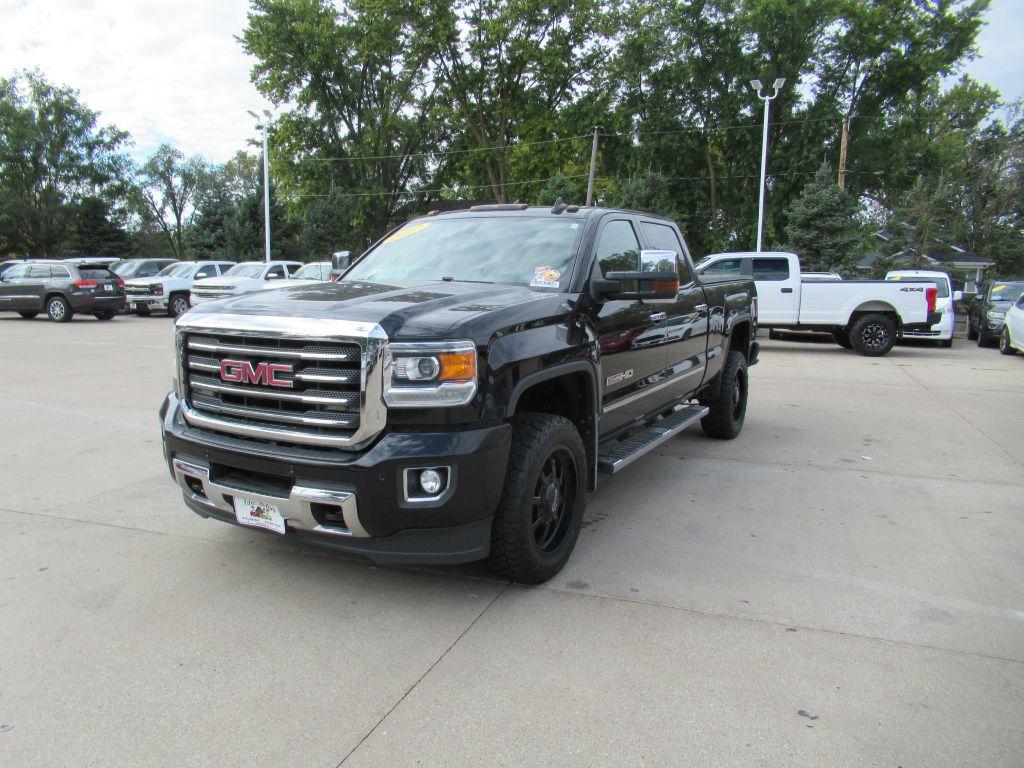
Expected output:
(457, 366)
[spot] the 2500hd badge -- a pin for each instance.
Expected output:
(458, 392)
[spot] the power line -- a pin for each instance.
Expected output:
(443, 152)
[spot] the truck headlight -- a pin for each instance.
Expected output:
(995, 315)
(430, 374)
(156, 288)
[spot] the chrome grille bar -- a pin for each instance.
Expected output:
(321, 397)
(309, 419)
(210, 345)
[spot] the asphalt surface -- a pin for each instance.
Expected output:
(841, 585)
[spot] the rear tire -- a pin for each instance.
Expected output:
(541, 508)
(946, 343)
(984, 339)
(108, 315)
(28, 315)
(1004, 343)
(972, 335)
(59, 310)
(178, 305)
(729, 409)
(873, 335)
(142, 311)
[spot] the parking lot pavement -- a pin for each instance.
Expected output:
(841, 585)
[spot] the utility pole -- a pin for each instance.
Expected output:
(844, 141)
(762, 94)
(593, 167)
(265, 128)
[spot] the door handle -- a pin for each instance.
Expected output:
(787, 290)
(658, 316)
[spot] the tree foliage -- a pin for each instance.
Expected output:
(823, 225)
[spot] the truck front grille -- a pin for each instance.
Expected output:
(285, 389)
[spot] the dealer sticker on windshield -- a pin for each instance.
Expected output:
(545, 277)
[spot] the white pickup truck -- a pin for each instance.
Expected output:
(864, 315)
(242, 278)
(169, 290)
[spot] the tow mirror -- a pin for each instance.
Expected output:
(340, 261)
(656, 280)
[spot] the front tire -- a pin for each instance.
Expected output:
(178, 305)
(28, 315)
(108, 315)
(59, 310)
(1005, 348)
(873, 335)
(729, 409)
(142, 311)
(946, 343)
(541, 508)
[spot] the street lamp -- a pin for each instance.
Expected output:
(263, 128)
(762, 94)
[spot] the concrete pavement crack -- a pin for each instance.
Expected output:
(423, 676)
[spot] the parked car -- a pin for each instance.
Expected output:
(242, 278)
(942, 331)
(169, 291)
(865, 315)
(988, 310)
(308, 274)
(61, 289)
(1011, 339)
(452, 397)
(131, 268)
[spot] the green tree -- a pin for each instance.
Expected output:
(95, 231)
(53, 154)
(823, 226)
(170, 187)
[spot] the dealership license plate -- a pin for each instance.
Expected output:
(108, 287)
(258, 514)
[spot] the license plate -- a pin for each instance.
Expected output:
(259, 514)
(108, 287)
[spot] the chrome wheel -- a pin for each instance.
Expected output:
(57, 310)
(179, 306)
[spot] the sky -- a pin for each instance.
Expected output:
(173, 71)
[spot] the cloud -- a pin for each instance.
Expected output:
(163, 71)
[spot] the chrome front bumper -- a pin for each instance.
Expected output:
(296, 508)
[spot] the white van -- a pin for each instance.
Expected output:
(942, 331)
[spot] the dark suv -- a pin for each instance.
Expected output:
(989, 308)
(61, 289)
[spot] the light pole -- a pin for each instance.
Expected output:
(762, 93)
(266, 178)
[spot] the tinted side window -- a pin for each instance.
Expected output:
(293, 268)
(725, 267)
(39, 270)
(96, 273)
(60, 272)
(665, 238)
(277, 271)
(770, 269)
(618, 249)
(207, 271)
(148, 270)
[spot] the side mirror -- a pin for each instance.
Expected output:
(340, 261)
(656, 280)
(958, 295)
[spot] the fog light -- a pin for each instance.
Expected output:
(431, 481)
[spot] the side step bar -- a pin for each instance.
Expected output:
(624, 453)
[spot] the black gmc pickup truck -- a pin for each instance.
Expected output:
(455, 395)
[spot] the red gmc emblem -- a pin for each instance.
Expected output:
(267, 374)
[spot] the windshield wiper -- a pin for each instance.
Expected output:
(464, 280)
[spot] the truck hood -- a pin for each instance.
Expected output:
(146, 280)
(427, 310)
(226, 282)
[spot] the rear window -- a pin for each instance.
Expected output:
(770, 269)
(96, 273)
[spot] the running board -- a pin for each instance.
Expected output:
(632, 448)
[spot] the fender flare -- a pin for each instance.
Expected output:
(557, 371)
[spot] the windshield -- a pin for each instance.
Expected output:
(316, 271)
(126, 268)
(535, 252)
(177, 270)
(1006, 291)
(249, 269)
